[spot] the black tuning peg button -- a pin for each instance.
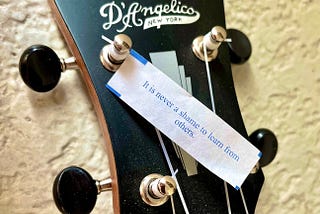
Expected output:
(240, 48)
(266, 141)
(40, 67)
(75, 191)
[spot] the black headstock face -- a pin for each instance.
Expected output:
(155, 27)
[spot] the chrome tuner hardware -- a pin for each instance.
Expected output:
(75, 191)
(156, 189)
(212, 41)
(68, 63)
(104, 185)
(255, 169)
(114, 54)
(40, 67)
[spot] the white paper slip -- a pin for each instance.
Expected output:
(185, 120)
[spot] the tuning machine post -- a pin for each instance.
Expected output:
(40, 67)
(211, 41)
(156, 189)
(113, 55)
(75, 191)
(239, 45)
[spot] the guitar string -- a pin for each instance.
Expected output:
(172, 205)
(173, 173)
(106, 39)
(213, 109)
(166, 153)
(227, 196)
(184, 204)
(209, 77)
(171, 197)
(244, 201)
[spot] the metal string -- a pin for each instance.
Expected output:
(173, 173)
(166, 153)
(213, 109)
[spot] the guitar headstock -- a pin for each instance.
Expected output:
(162, 32)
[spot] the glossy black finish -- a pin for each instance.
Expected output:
(40, 68)
(136, 148)
(74, 191)
(266, 141)
(240, 47)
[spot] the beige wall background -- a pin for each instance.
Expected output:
(279, 89)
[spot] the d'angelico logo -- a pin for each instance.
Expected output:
(137, 15)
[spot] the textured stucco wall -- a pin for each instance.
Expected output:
(278, 89)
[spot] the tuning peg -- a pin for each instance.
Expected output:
(40, 67)
(156, 189)
(212, 41)
(239, 46)
(75, 191)
(114, 54)
(266, 141)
